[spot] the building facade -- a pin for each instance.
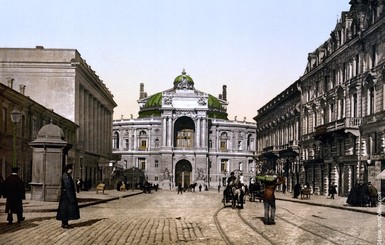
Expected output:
(342, 104)
(33, 116)
(62, 81)
(278, 136)
(182, 135)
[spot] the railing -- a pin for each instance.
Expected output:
(344, 123)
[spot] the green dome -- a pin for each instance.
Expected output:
(155, 100)
(183, 78)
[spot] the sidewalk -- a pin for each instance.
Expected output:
(85, 198)
(325, 201)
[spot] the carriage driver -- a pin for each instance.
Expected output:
(231, 179)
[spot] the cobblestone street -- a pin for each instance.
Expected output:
(164, 217)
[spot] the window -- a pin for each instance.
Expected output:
(115, 140)
(331, 112)
(142, 140)
(341, 109)
(357, 65)
(371, 101)
(156, 164)
(224, 163)
(142, 163)
(239, 145)
(354, 107)
(223, 141)
(156, 142)
(126, 144)
(373, 56)
(185, 138)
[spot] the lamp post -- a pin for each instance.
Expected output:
(15, 117)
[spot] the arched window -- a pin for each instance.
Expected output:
(223, 141)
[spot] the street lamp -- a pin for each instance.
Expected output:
(15, 117)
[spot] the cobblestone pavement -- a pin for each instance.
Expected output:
(165, 217)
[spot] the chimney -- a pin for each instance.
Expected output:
(224, 92)
(141, 91)
(22, 89)
(10, 82)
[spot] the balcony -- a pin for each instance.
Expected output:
(289, 149)
(346, 125)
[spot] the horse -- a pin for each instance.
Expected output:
(192, 187)
(238, 192)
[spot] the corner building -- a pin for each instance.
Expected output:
(182, 135)
(61, 81)
(342, 105)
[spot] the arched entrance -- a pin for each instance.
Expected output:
(183, 171)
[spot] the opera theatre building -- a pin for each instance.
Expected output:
(182, 136)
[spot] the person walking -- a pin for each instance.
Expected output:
(332, 190)
(14, 192)
(180, 190)
(68, 206)
(219, 188)
(269, 200)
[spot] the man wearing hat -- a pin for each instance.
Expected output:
(14, 191)
(68, 204)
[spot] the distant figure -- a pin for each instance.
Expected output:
(373, 194)
(219, 188)
(200, 187)
(78, 185)
(332, 191)
(68, 205)
(14, 191)
(180, 190)
(297, 190)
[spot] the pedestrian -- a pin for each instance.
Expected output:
(68, 206)
(14, 192)
(269, 200)
(78, 184)
(373, 194)
(219, 188)
(332, 190)
(200, 187)
(297, 190)
(180, 188)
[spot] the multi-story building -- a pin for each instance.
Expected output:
(342, 131)
(278, 135)
(61, 80)
(183, 136)
(33, 116)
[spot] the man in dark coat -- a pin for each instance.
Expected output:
(269, 200)
(15, 193)
(68, 204)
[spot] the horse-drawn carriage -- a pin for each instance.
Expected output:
(256, 191)
(234, 192)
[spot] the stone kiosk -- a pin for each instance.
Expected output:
(49, 155)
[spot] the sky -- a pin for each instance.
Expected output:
(256, 48)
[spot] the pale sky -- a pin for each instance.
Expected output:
(256, 47)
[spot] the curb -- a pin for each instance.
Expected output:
(333, 206)
(99, 201)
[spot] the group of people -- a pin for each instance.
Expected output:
(13, 189)
(362, 195)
